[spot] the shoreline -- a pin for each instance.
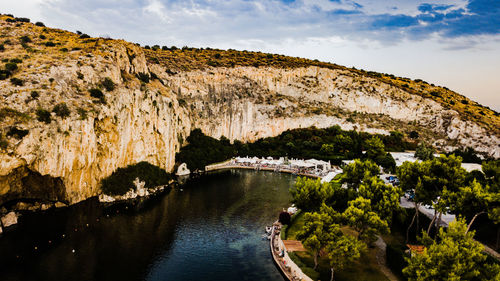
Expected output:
(229, 164)
(285, 264)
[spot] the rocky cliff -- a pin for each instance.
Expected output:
(148, 110)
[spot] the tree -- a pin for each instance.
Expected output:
(472, 201)
(364, 220)
(410, 174)
(385, 197)
(285, 218)
(355, 172)
(424, 151)
(455, 255)
(317, 231)
(374, 148)
(309, 194)
(343, 250)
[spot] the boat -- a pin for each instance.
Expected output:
(269, 229)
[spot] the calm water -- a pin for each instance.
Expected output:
(209, 231)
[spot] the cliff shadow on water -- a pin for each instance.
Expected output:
(210, 227)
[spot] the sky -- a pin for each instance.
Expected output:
(449, 43)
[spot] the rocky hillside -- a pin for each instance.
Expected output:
(74, 108)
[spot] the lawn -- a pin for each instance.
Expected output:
(365, 268)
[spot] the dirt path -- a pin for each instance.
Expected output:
(381, 260)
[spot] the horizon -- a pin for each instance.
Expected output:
(452, 44)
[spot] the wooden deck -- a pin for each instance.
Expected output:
(294, 246)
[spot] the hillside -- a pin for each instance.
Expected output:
(75, 108)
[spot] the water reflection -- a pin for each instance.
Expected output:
(209, 231)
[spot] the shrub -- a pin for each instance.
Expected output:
(50, 44)
(82, 112)
(61, 110)
(43, 115)
(16, 81)
(3, 142)
(64, 50)
(22, 20)
(38, 23)
(11, 66)
(4, 74)
(79, 75)
(2, 47)
(34, 94)
(285, 218)
(25, 39)
(16, 60)
(17, 133)
(121, 181)
(144, 77)
(108, 84)
(96, 93)
(84, 36)
(43, 37)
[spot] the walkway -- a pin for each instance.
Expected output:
(382, 259)
(287, 267)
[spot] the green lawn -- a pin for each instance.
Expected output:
(296, 225)
(365, 268)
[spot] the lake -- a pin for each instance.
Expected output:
(208, 229)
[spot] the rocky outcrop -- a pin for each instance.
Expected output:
(65, 160)
(9, 219)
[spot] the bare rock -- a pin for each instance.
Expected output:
(9, 219)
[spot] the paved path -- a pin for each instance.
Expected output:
(382, 259)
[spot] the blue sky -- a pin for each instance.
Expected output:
(450, 43)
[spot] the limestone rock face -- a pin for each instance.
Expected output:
(65, 160)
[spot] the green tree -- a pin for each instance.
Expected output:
(454, 255)
(364, 220)
(317, 231)
(355, 172)
(374, 148)
(424, 151)
(309, 194)
(343, 250)
(385, 197)
(327, 149)
(474, 200)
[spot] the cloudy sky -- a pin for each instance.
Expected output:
(445, 42)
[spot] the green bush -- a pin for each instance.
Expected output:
(144, 77)
(108, 84)
(17, 133)
(121, 181)
(16, 60)
(83, 113)
(2, 48)
(11, 66)
(43, 115)
(34, 94)
(16, 81)
(25, 39)
(38, 23)
(61, 110)
(3, 142)
(50, 44)
(96, 93)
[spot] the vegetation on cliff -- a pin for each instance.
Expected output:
(122, 180)
(330, 144)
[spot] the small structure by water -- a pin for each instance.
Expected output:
(183, 170)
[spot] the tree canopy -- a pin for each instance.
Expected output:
(454, 255)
